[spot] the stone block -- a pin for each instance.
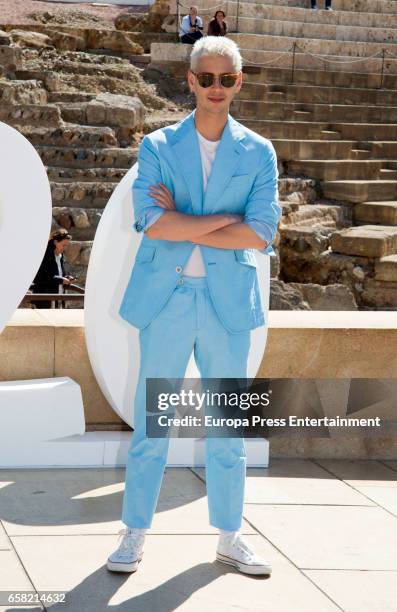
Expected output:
(386, 268)
(366, 240)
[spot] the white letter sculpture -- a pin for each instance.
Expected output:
(32, 412)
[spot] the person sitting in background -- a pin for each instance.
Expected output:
(51, 276)
(217, 25)
(191, 27)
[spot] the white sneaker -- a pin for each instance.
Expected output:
(129, 553)
(234, 551)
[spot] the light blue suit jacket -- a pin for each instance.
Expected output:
(243, 180)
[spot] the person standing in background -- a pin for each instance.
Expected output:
(51, 276)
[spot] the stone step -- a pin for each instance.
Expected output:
(356, 191)
(71, 136)
(296, 190)
(142, 61)
(379, 295)
(306, 242)
(365, 240)
(289, 149)
(45, 115)
(316, 31)
(75, 82)
(309, 53)
(307, 62)
(357, 113)
(89, 174)
(81, 223)
(384, 213)
(362, 6)
(97, 39)
(388, 173)
(83, 194)
(277, 96)
(328, 131)
(59, 64)
(330, 170)
(87, 157)
(386, 268)
(124, 114)
(22, 92)
(312, 94)
(70, 97)
(368, 131)
(361, 153)
(262, 18)
(173, 59)
(272, 51)
(298, 14)
(280, 129)
(324, 215)
(10, 58)
(318, 77)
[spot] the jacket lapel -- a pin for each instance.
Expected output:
(187, 149)
(226, 161)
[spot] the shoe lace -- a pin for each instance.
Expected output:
(239, 544)
(131, 542)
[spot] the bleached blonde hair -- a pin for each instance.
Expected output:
(216, 45)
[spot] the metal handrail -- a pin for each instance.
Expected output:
(56, 297)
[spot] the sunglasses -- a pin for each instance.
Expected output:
(206, 79)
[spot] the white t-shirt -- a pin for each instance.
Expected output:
(195, 264)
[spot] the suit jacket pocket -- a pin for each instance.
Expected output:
(145, 254)
(246, 257)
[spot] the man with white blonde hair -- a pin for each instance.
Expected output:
(206, 196)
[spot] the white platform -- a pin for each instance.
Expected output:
(33, 411)
(110, 449)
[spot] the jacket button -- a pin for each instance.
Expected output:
(178, 269)
(180, 282)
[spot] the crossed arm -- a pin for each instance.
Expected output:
(225, 231)
(156, 211)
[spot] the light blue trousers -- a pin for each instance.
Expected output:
(187, 323)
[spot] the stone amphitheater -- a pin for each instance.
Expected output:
(321, 85)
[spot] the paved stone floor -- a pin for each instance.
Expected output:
(328, 527)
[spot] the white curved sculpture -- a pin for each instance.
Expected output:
(33, 413)
(113, 344)
(25, 217)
